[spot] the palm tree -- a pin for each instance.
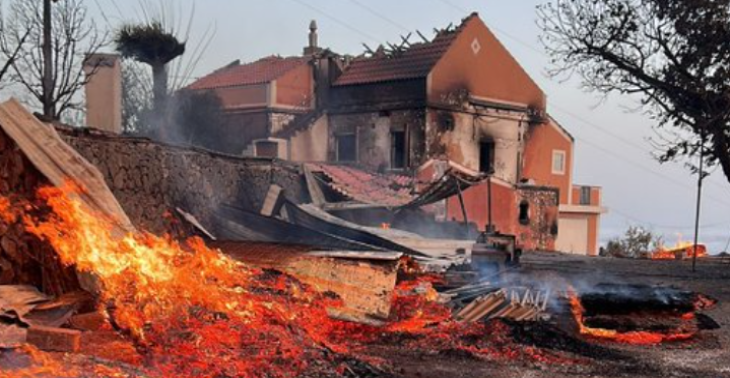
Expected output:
(151, 44)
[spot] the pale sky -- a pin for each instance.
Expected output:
(612, 150)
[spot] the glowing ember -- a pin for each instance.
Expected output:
(633, 337)
(193, 312)
(189, 308)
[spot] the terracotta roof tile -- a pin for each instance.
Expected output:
(365, 187)
(416, 62)
(261, 71)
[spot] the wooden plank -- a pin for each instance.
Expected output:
(487, 309)
(358, 255)
(273, 201)
(55, 339)
(507, 309)
(59, 162)
(468, 309)
(344, 206)
(315, 191)
(529, 315)
(365, 286)
(190, 218)
(517, 312)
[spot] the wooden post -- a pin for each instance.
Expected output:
(463, 206)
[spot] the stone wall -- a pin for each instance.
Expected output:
(150, 180)
(540, 231)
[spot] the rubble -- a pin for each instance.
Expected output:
(285, 287)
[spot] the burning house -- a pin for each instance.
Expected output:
(294, 250)
(460, 97)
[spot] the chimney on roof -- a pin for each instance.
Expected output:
(313, 47)
(104, 92)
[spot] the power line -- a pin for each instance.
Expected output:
(583, 140)
(646, 169)
(380, 15)
(664, 226)
(569, 113)
(500, 31)
(603, 130)
(337, 20)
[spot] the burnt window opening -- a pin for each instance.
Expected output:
(486, 157)
(346, 148)
(585, 195)
(398, 150)
(446, 121)
(267, 149)
(524, 213)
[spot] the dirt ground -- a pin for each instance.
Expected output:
(708, 355)
(705, 356)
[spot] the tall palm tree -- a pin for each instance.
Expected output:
(152, 45)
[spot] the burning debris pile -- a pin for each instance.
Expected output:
(191, 311)
(121, 302)
(681, 251)
(640, 315)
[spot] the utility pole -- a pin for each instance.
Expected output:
(699, 203)
(48, 108)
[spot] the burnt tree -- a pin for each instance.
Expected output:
(673, 54)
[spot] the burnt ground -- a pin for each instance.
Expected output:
(707, 355)
(527, 350)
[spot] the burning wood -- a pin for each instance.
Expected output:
(680, 251)
(184, 309)
(514, 304)
(672, 307)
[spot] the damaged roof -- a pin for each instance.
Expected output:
(397, 191)
(366, 187)
(261, 71)
(415, 62)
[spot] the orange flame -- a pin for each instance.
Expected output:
(680, 251)
(633, 337)
(194, 311)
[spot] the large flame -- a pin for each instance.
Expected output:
(192, 310)
(633, 337)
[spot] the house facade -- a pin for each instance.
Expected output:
(460, 97)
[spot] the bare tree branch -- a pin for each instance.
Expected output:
(75, 36)
(672, 54)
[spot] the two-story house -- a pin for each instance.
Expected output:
(460, 97)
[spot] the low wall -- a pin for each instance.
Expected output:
(151, 179)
